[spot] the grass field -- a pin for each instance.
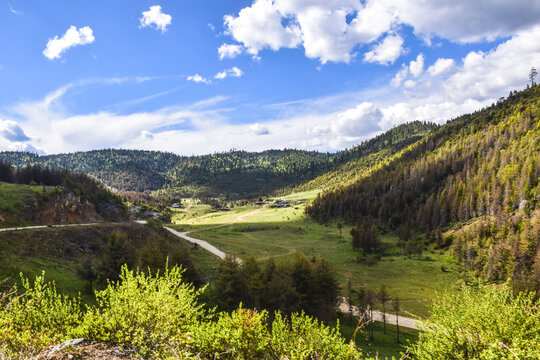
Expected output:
(281, 232)
(19, 203)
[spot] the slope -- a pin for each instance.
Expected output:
(349, 165)
(36, 195)
(484, 167)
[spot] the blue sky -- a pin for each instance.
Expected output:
(195, 77)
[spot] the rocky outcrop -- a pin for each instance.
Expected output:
(67, 208)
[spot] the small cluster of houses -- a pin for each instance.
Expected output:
(280, 203)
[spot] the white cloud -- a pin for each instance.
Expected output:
(466, 21)
(13, 11)
(324, 28)
(332, 30)
(441, 67)
(154, 16)
(400, 76)
(234, 72)
(387, 51)
(259, 26)
(257, 130)
(72, 37)
(409, 84)
(198, 79)
(147, 134)
(320, 124)
(417, 66)
(12, 131)
(229, 51)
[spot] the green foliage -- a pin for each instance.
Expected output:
(142, 311)
(485, 323)
(303, 337)
(36, 318)
(480, 165)
(241, 335)
(249, 335)
(160, 317)
(302, 284)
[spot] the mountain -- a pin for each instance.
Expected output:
(237, 174)
(348, 165)
(477, 178)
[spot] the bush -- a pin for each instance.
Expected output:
(37, 318)
(484, 323)
(143, 312)
(245, 335)
(159, 317)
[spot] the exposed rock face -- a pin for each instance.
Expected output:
(67, 208)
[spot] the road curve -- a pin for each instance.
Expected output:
(405, 322)
(205, 245)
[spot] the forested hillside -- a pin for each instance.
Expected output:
(237, 174)
(348, 165)
(480, 169)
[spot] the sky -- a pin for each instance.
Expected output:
(205, 76)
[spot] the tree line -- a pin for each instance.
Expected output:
(303, 284)
(484, 165)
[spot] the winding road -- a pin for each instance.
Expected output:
(405, 322)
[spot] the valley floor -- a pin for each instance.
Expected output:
(282, 232)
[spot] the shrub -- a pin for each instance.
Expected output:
(484, 323)
(241, 335)
(37, 318)
(143, 312)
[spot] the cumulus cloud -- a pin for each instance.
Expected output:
(417, 66)
(260, 26)
(333, 30)
(147, 134)
(72, 37)
(198, 79)
(400, 76)
(441, 67)
(386, 52)
(11, 130)
(327, 30)
(409, 84)
(257, 130)
(154, 17)
(322, 124)
(234, 72)
(229, 51)
(466, 21)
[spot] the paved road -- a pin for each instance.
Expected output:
(205, 245)
(405, 322)
(343, 307)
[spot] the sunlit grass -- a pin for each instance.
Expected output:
(281, 232)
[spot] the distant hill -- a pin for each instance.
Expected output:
(477, 178)
(235, 174)
(33, 195)
(349, 165)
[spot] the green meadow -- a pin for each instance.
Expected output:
(281, 232)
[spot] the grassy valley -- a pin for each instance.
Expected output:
(421, 212)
